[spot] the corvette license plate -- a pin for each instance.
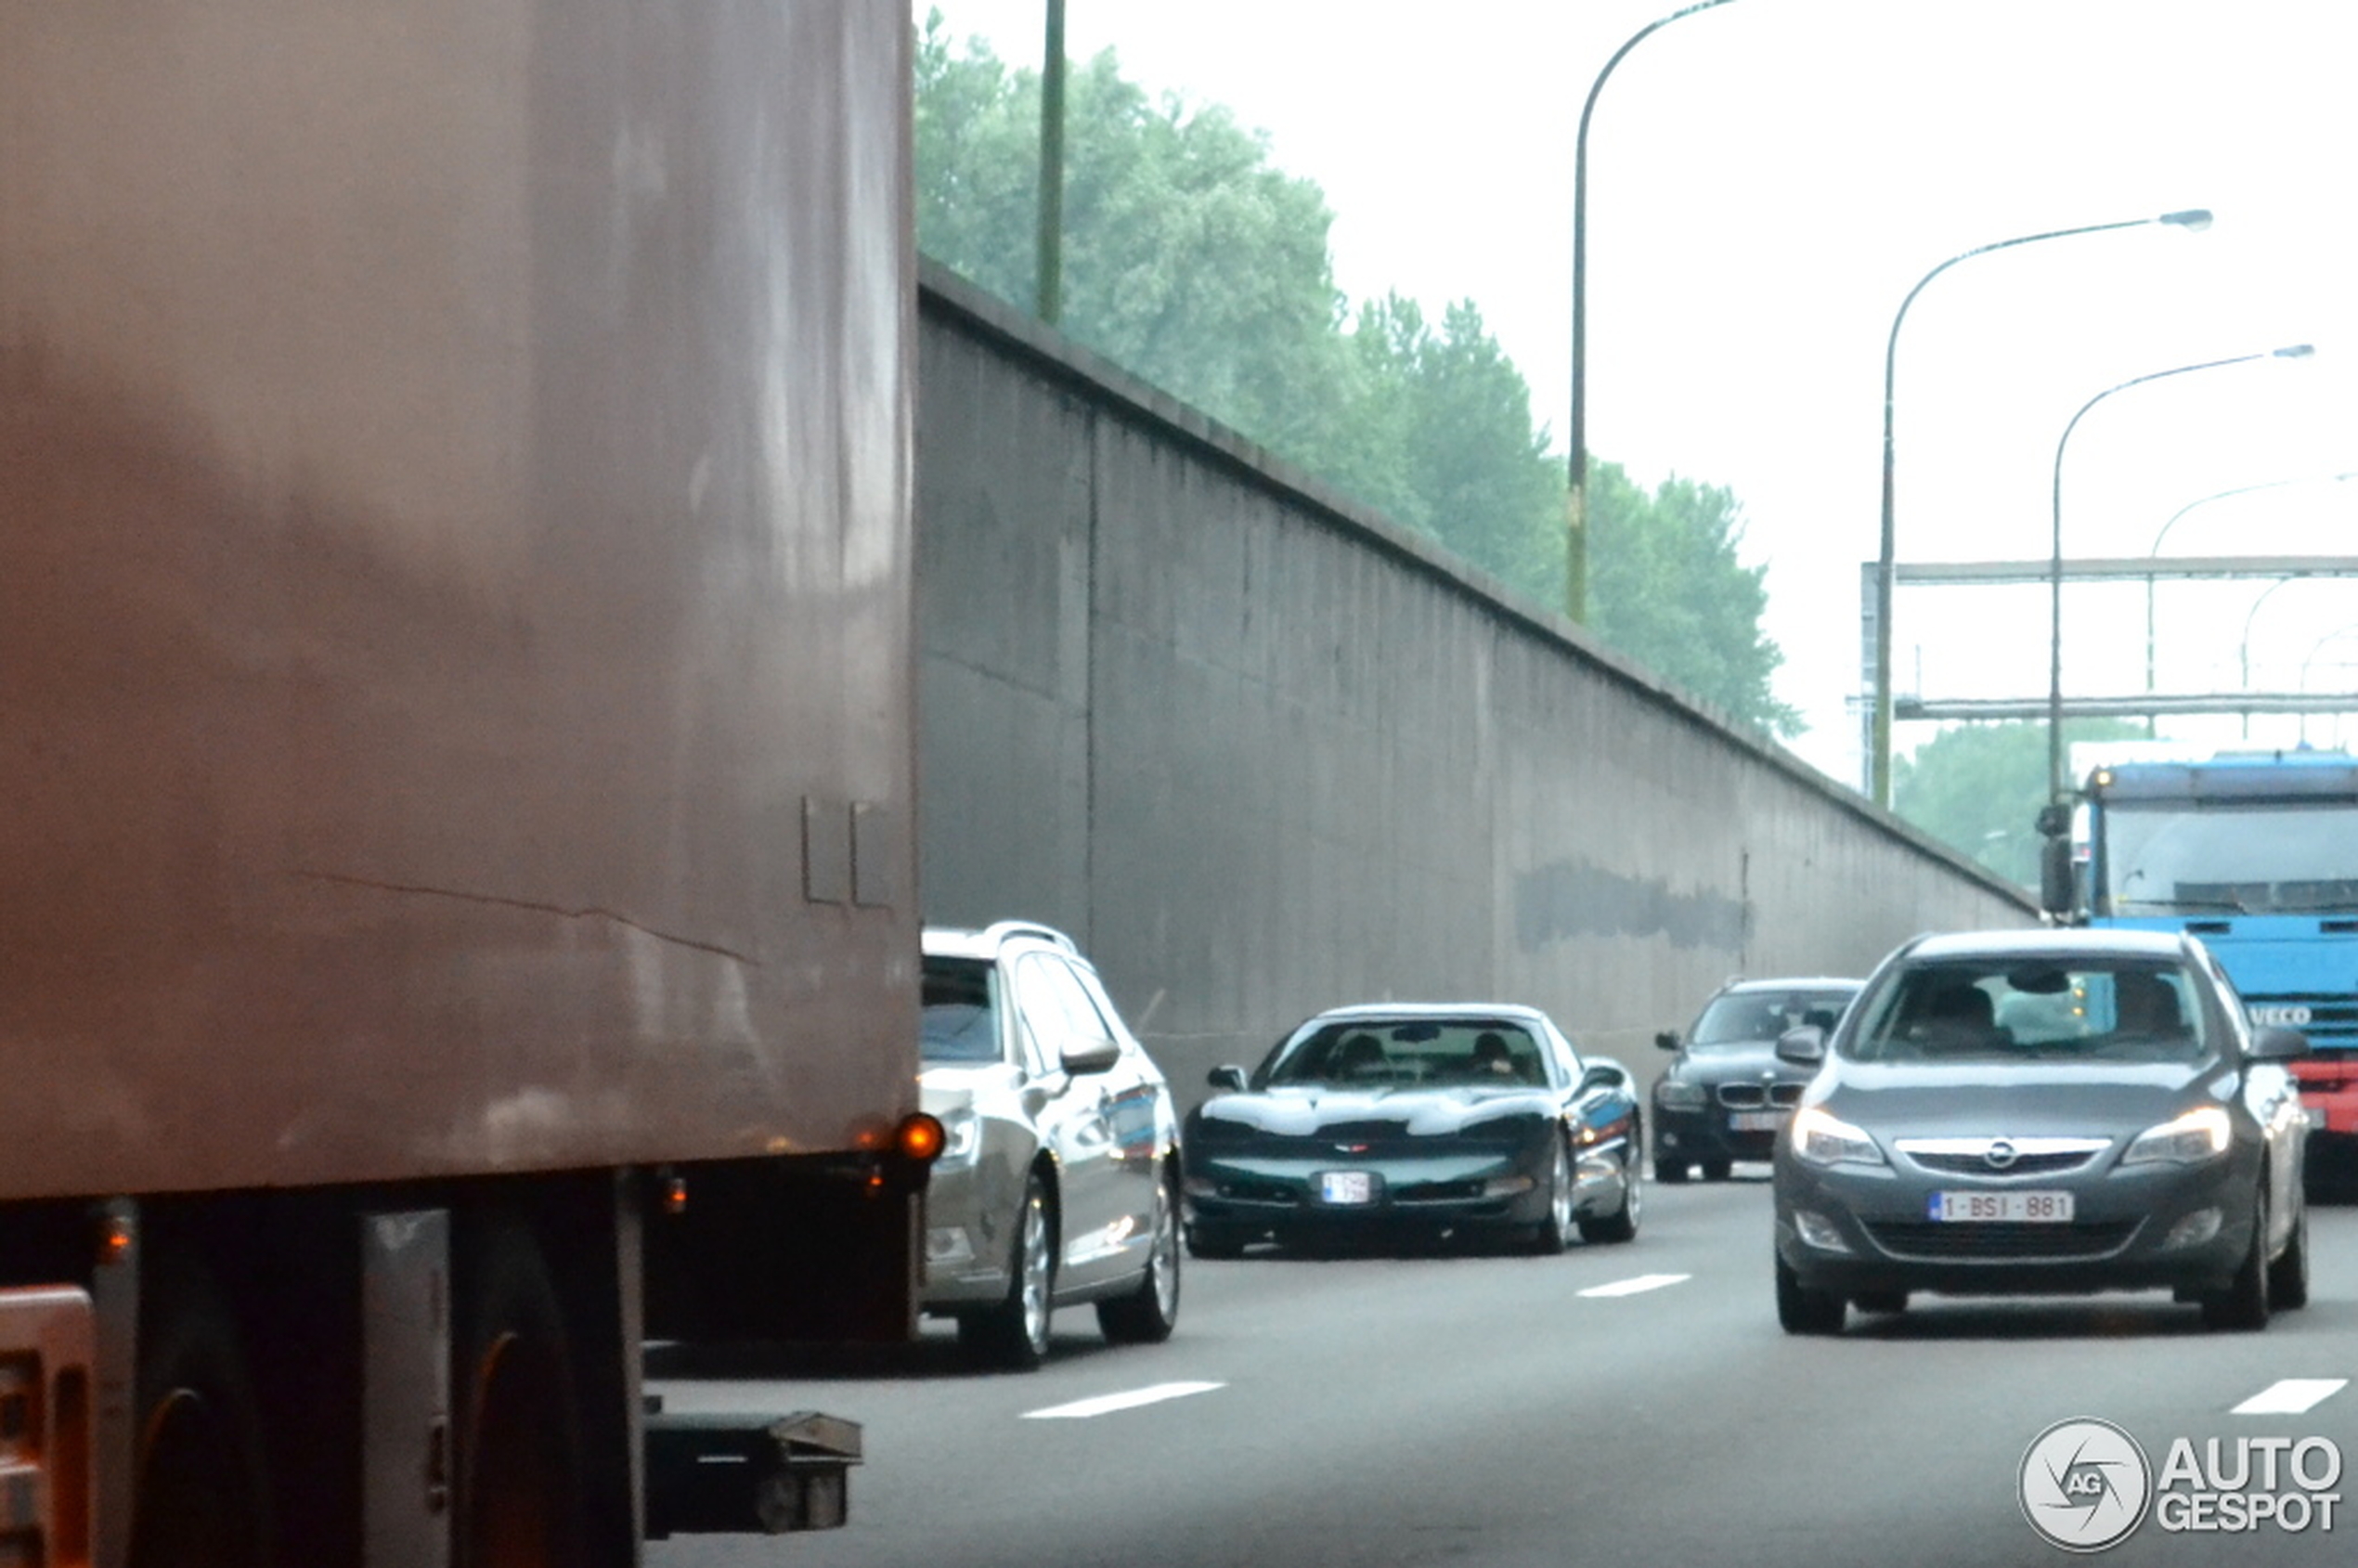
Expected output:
(1758, 1120)
(1346, 1187)
(2052, 1207)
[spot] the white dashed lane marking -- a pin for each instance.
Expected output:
(1633, 1286)
(1105, 1404)
(2291, 1396)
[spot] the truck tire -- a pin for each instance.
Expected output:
(1147, 1314)
(520, 1467)
(202, 1491)
(1013, 1334)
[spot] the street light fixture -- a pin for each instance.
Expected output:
(2193, 219)
(2056, 566)
(1576, 490)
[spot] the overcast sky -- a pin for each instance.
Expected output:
(1767, 181)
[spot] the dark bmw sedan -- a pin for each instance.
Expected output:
(1725, 1090)
(1402, 1121)
(2033, 1111)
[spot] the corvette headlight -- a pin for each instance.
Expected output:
(1828, 1140)
(1673, 1094)
(2202, 1134)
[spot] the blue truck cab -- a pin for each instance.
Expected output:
(2257, 854)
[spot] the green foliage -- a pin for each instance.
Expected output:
(1441, 440)
(1196, 264)
(1188, 259)
(1669, 589)
(1978, 788)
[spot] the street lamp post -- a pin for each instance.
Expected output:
(1576, 488)
(2153, 552)
(2055, 565)
(2318, 647)
(2243, 649)
(1879, 738)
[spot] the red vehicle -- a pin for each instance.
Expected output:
(456, 877)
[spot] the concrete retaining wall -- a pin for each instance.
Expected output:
(1261, 752)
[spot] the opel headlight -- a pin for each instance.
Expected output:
(1823, 1139)
(2202, 1134)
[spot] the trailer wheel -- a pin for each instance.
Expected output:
(202, 1498)
(520, 1476)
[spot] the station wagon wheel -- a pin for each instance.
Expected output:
(1013, 1333)
(1147, 1314)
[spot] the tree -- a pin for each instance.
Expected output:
(1195, 263)
(1188, 259)
(1440, 438)
(1978, 787)
(1667, 588)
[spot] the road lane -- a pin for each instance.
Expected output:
(1473, 1409)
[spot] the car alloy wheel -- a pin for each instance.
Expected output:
(1555, 1232)
(1622, 1224)
(1013, 1332)
(1804, 1310)
(2288, 1276)
(1147, 1314)
(2244, 1303)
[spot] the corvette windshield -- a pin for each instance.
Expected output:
(1369, 1054)
(1995, 1011)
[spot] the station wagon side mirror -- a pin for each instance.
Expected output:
(1091, 1055)
(2274, 1042)
(1805, 1046)
(1228, 1077)
(1667, 1040)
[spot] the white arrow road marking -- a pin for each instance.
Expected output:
(2291, 1396)
(1632, 1286)
(1106, 1403)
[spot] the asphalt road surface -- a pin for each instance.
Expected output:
(1618, 1405)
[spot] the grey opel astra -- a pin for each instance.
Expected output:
(2042, 1111)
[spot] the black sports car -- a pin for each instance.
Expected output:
(1405, 1119)
(1724, 1094)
